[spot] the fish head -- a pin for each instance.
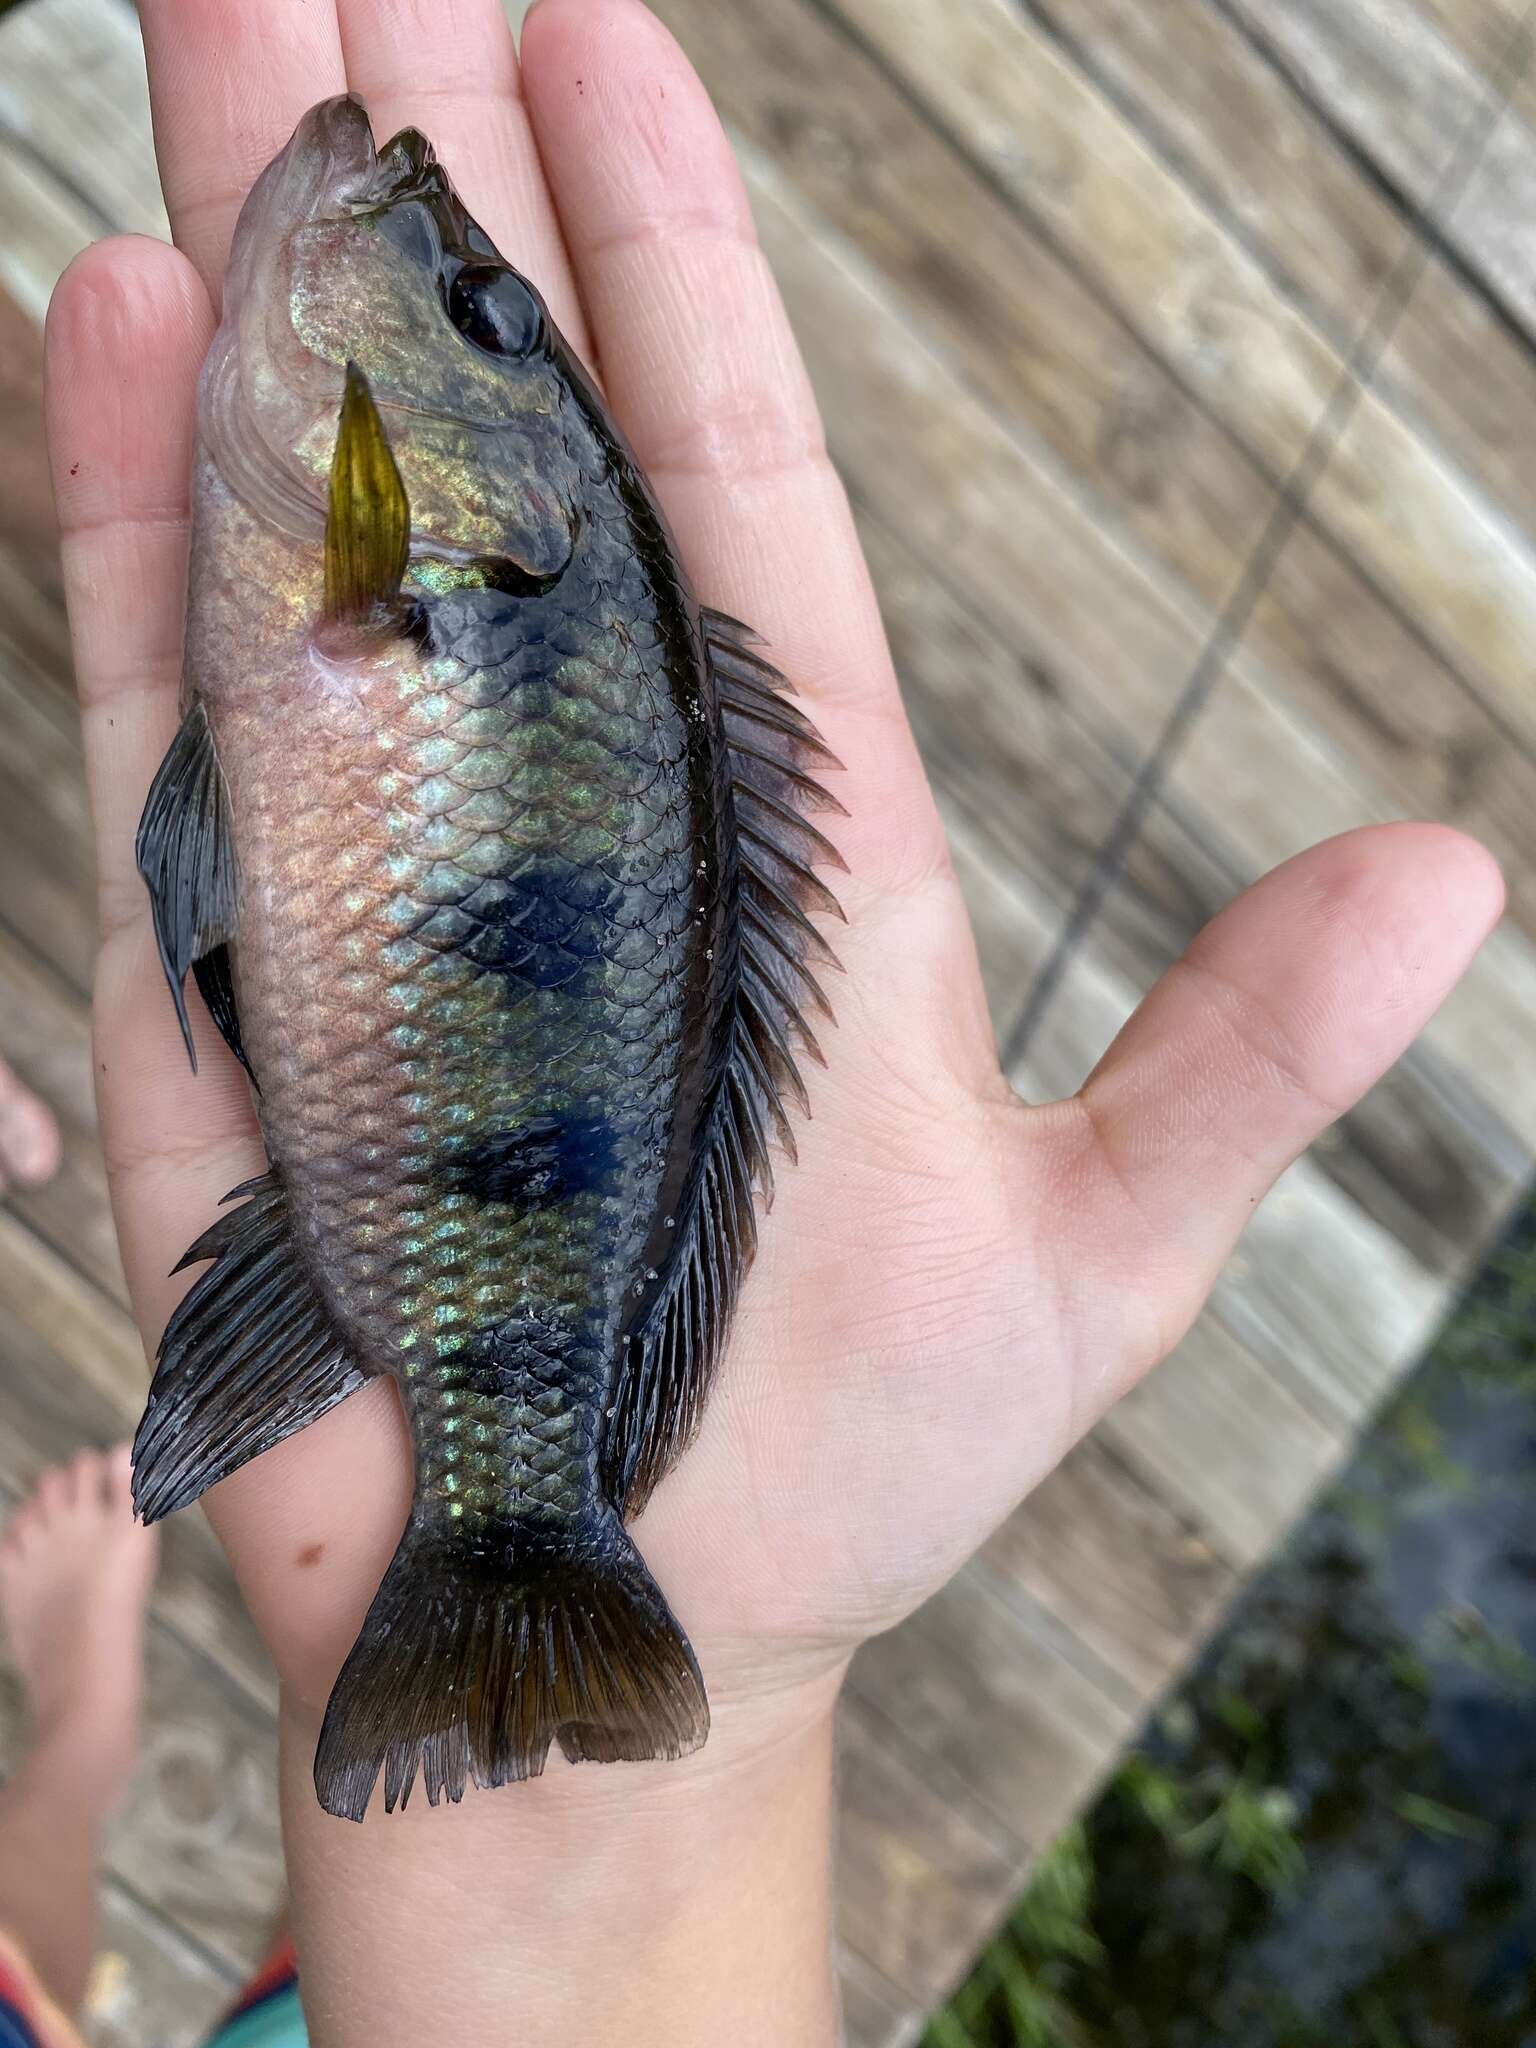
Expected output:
(348, 257)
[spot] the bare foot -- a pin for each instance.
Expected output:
(29, 1137)
(75, 1573)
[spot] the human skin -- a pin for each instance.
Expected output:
(953, 1285)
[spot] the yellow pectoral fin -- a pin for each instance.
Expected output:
(368, 516)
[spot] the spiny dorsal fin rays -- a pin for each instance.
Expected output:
(772, 747)
(368, 516)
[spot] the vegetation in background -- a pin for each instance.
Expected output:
(1328, 1838)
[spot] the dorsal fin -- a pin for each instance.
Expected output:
(368, 517)
(664, 1376)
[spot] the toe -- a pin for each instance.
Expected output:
(51, 1497)
(29, 1136)
(90, 1480)
(118, 1476)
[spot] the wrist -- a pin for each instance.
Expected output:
(679, 1903)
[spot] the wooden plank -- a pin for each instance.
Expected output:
(1484, 31)
(84, 120)
(1011, 1713)
(1200, 301)
(27, 525)
(152, 1988)
(42, 227)
(49, 866)
(1222, 118)
(1402, 91)
(1013, 927)
(33, 629)
(874, 2013)
(1136, 1580)
(1221, 1439)
(997, 724)
(45, 1033)
(918, 1882)
(1029, 562)
(1316, 1281)
(1053, 358)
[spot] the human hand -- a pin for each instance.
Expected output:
(952, 1285)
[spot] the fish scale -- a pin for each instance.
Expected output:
(488, 848)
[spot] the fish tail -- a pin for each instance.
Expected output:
(474, 1659)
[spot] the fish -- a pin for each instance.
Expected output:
(489, 850)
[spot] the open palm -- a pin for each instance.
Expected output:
(952, 1285)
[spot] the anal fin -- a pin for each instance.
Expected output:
(250, 1356)
(186, 855)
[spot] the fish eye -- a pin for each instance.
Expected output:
(493, 308)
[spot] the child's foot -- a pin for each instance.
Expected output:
(29, 1137)
(75, 1573)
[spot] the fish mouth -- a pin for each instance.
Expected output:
(328, 164)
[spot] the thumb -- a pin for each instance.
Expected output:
(1283, 1012)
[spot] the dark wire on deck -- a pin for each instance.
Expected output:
(1355, 379)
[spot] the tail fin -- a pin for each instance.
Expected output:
(470, 1668)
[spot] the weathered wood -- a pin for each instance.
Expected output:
(1219, 1437)
(1033, 566)
(1200, 301)
(1059, 360)
(1010, 1712)
(1484, 31)
(875, 2014)
(918, 1881)
(1223, 118)
(27, 526)
(86, 119)
(49, 880)
(33, 629)
(152, 1987)
(1403, 92)
(45, 1034)
(42, 227)
(1134, 1580)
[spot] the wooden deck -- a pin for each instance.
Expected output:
(1077, 281)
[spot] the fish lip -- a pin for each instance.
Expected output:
(332, 152)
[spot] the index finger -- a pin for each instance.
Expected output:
(228, 80)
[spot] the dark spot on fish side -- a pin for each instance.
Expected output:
(540, 925)
(534, 1164)
(310, 1556)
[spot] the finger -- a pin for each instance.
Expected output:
(703, 372)
(1285, 1010)
(228, 80)
(449, 67)
(127, 330)
(126, 334)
